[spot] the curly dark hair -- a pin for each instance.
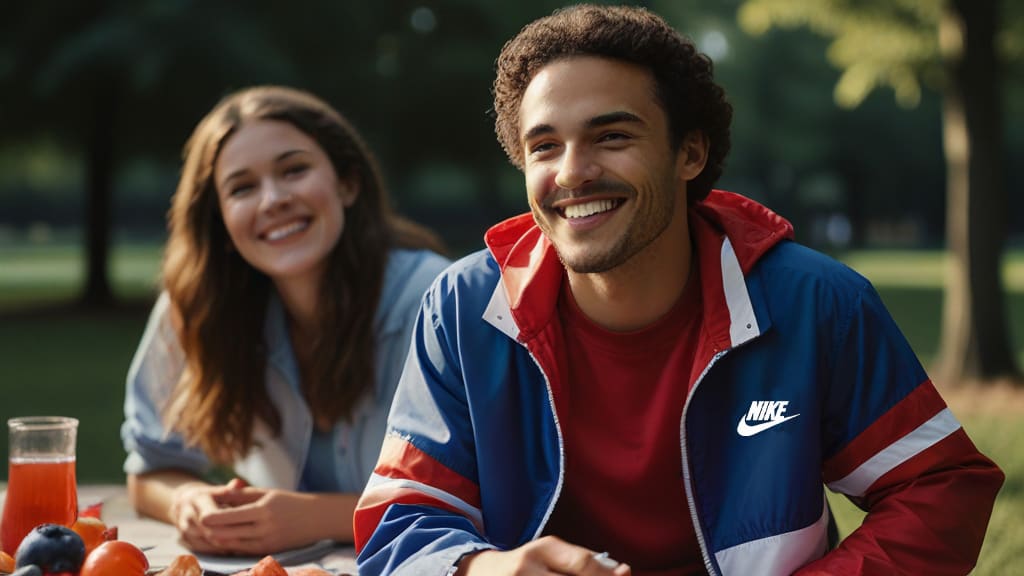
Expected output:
(684, 77)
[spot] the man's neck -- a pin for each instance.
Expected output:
(642, 289)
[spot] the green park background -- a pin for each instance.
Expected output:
(97, 98)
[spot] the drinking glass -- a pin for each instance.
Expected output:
(41, 487)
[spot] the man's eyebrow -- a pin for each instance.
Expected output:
(614, 118)
(595, 122)
(538, 130)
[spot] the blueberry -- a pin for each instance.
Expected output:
(52, 548)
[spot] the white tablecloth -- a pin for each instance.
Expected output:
(162, 538)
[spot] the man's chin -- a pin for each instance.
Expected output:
(590, 263)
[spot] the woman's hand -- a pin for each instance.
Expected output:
(189, 503)
(257, 521)
(548, 555)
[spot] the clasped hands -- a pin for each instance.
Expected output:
(236, 518)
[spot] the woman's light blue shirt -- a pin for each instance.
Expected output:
(280, 462)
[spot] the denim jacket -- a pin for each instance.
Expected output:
(278, 462)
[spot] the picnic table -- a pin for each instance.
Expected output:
(160, 540)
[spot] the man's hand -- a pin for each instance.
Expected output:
(546, 556)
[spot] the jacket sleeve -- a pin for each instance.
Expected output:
(411, 277)
(154, 372)
(895, 449)
(420, 512)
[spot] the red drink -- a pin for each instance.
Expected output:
(39, 491)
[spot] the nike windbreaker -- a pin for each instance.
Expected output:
(801, 379)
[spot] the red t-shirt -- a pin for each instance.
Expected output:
(620, 410)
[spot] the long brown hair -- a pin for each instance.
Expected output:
(219, 300)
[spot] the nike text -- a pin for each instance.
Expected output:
(767, 412)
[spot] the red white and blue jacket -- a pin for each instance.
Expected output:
(801, 379)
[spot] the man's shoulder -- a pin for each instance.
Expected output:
(470, 279)
(790, 262)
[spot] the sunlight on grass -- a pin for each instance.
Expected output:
(33, 275)
(917, 268)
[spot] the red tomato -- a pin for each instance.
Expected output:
(115, 558)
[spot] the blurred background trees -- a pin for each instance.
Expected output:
(956, 47)
(97, 98)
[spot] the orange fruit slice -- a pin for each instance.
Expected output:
(91, 530)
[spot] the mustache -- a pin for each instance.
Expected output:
(601, 186)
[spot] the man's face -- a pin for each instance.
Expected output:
(602, 178)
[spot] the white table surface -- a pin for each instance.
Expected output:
(162, 538)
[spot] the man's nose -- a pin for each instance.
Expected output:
(577, 167)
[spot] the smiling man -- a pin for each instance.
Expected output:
(647, 376)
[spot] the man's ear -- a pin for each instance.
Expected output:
(692, 155)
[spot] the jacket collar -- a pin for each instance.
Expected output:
(731, 234)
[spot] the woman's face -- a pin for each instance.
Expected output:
(282, 202)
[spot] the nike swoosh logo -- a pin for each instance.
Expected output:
(744, 429)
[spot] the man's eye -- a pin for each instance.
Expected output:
(613, 136)
(542, 147)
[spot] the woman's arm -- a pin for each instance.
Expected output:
(152, 449)
(154, 493)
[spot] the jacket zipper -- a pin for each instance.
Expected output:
(561, 445)
(687, 481)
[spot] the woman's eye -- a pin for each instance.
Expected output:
(239, 189)
(296, 170)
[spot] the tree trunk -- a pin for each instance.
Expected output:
(97, 292)
(975, 344)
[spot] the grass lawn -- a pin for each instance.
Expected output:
(59, 360)
(31, 276)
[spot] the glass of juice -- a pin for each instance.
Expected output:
(41, 487)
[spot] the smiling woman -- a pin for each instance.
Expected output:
(290, 292)
(283, 206)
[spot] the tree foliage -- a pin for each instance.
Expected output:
(891, 43)
(957, 47)
(119, 84)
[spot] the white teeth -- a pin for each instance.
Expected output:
(589, 208)
(278, 233)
